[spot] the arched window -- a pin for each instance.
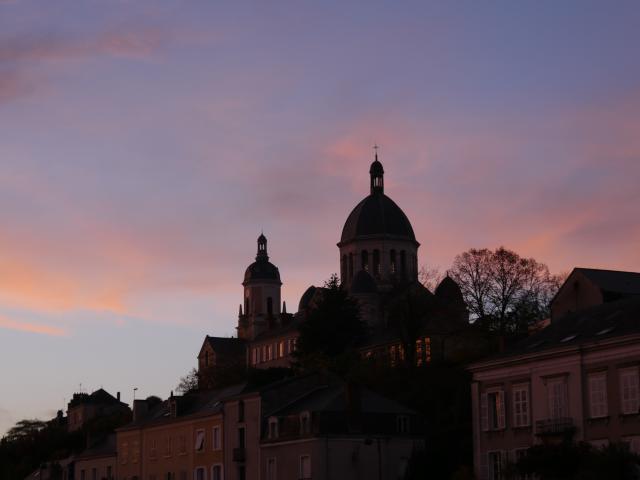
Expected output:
(392, 262)
(269, 306)
(376, 262)
(350, 265)
(403, 263)
(365, 260)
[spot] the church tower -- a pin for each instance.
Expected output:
(261, 305)
(378, 247)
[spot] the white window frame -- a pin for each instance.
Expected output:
(557, 397)
(598, 405)
(272, 468)
(216, 438)
(629, 391)
(199, 432)
(521, 405)
(492, 474)
(221, 470)
(197, 469)
(492, 419)
(300, 467)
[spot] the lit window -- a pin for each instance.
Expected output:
(629, 391)
(521, 405)
(281, 349)
(200, 441)
(419, 359)
(492, 410)
(598, 395)
(254, 356)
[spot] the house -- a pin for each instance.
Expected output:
(84, 407)
(181, 438)
(318, 427)
(98, 461)
(576, 380)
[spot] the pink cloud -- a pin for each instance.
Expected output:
(10, 324)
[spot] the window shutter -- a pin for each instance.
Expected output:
(501, 411)
(484, 412)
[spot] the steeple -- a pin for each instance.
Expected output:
(262, 249)
(377, 174)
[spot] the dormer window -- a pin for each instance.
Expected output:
(273, 428)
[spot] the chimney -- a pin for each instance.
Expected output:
(140, 409)
(118, 396)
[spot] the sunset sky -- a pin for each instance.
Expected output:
(145, 144)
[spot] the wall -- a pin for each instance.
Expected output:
(576, 293)
(101, 464)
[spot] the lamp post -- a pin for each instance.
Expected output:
(134, 393)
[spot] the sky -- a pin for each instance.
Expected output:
(144, 145)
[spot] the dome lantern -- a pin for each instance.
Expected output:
(377, 175)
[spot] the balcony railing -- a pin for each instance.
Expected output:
(555, 426)
(239, 454)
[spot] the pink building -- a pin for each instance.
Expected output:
(577, 379)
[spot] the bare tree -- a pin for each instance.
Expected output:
(430, 277)
(503, 290)
(188, 383)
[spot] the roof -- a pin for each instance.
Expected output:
(333, 398)
(613, 280)
(377, 215)
(448, 289)
(99, 397)
(226, 346)
(105, 447)
(594, 324)
(262, 269)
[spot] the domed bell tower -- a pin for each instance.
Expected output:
(262, 285)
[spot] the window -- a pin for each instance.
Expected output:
(419, 359)
(281, 349)
(518, 454)
(242, 472)
(365, 260)
(269, 352)
(241, 437)
(376, 262)
(216, 472)
(305, 467)
(629, 392)
(393, 355)
(273, 428)
(199, 440)
(82, 475)
(241, 411)
(168, 447)
(272, 473)
(94, 474)
(199, 473)
(494, 463)
(216, 438)
(402, 424)
(269, 306)
(598, 395)
(521, 416)
(492, 410)
(557, 397)
(109, 472)
(392, 261)
(153, 450)
(125, 453)
(291, 345)
(264, 353)
(305, 426)
(136, 451)
(183, 445)
(183, 475)
(633, 442)
(600, 443)
(254, 356)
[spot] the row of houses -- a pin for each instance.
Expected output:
(576, 380)
(308, 427)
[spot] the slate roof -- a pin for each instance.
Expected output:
(590, 325)
(99, 397)
(377, 215)
(613, 281)
(226, 346)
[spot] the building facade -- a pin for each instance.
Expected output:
(576, 380)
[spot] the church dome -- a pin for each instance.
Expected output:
(306, 298)
(377, 215)
(262, 268)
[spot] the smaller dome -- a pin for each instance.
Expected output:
(363, 283)
(306, 298)
(449, 290)
(261, 270)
